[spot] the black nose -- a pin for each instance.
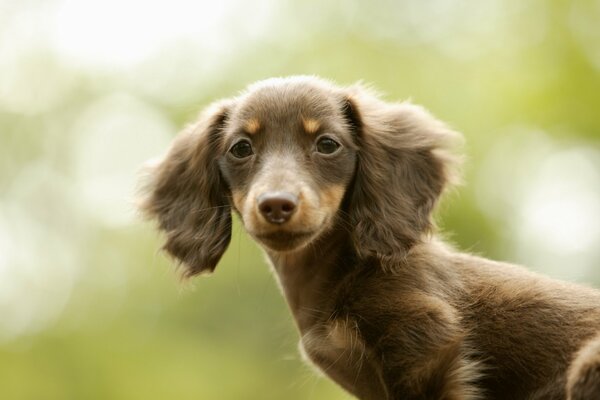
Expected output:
(277, 207)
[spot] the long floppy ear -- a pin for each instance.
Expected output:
(404, 163)
(188, 197)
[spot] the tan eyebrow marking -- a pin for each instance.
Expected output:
(252, 126)
(311, 125)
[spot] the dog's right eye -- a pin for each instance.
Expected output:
(242, 149)
(327, 146)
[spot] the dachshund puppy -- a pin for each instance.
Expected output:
(338, 187)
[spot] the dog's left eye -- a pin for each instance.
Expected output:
(327, 146)
(242, 149)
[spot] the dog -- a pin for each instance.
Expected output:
(338, 188)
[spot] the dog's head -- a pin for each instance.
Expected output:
(295, 157)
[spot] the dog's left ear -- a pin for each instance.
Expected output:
(404, 164)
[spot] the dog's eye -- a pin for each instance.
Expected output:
(242, 149)
(327, 146)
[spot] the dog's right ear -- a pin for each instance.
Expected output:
(186, 194)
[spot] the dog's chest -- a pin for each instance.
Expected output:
(333, 342)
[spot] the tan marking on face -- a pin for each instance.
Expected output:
(310, 125)
(252, 126)
(238, 200)
(332, 197)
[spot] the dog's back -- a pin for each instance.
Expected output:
(527, 328)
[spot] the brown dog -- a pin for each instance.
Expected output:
(338, 187)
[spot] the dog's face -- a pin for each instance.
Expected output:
(288, 156)
(295, 157)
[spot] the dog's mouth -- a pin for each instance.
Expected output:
(283, 240)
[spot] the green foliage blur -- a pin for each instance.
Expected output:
(89, 90)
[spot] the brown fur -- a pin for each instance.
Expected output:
(383, 308)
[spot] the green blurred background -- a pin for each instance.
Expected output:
(89, 90)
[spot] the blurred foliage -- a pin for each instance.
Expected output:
(89, 90)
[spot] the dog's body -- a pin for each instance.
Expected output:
(338, 187)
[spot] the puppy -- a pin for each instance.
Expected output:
(338, 188)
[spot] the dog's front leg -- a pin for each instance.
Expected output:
(338, 351)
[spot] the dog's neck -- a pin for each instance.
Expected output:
(307, 276)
